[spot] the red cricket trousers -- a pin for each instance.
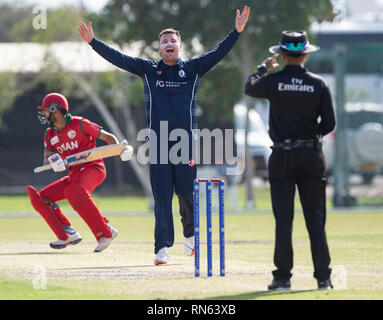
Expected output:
(77, 188)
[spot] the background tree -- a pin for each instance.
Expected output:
(60, 26)
(9, 90)
(16, 23)
(9, 15)
(16, 26)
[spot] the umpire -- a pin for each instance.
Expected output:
(301, 112)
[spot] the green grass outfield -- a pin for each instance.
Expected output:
(123, 204)
(29, 269)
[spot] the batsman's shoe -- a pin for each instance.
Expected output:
(162, 256)
(73, 238)
(279, 285)
(325, 285)
(189, 246)
(114, 232)
(104, 242)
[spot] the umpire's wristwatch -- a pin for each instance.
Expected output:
(262, 69)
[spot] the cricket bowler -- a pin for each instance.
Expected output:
(171, 91)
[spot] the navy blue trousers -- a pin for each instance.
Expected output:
(165, 179)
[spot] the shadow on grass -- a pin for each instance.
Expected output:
(120, 267)
(260, 294)
(38, 253)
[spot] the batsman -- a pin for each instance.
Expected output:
(65, 136)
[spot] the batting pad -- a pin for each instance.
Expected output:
(47, 213)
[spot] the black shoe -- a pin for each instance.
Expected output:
(279, 285)
(325, 285)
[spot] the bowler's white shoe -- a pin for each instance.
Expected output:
(162, 256)
(73, 238)
(189, 246)
(104, 242)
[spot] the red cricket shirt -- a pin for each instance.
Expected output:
(78, 135)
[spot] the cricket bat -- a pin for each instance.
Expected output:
(89, 155)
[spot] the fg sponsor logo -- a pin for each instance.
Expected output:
(160, 83)
(169, 84)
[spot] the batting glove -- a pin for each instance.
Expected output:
(127, 153)
(57, 163)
